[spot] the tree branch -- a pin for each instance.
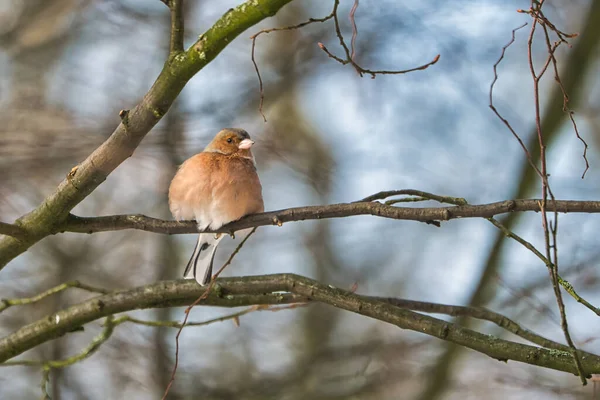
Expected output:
(135, 124)
(233, 292)
(177, 27)
(157, 295)
(12, 230)
(141, 222)
(480, 313)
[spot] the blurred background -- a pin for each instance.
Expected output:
(68, 66)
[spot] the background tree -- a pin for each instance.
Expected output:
(71, 67)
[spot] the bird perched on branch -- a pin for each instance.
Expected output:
(215, 187)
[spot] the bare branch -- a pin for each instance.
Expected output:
(12, 230)
(6, 303)
(282, 289)
(350, 53)
(252, 53)
(477, 313)
(178, 325)
(352, 18)
(177, 27)
(495, 110)
(551, 248)
(157, 295)
(457, 201)
(149, 224)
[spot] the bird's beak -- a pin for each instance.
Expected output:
(245, 144)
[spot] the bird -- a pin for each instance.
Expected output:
(215, 187)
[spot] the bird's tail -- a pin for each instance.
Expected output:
(201, 262)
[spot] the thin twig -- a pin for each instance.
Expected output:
(198, 300)
(538, 17)
(179, 325)
(47, 366)
(565, 284)
(558, 80)
(177, 26)
(82, 355)
(405, 200)
(354, 29)
(495, 110)
(458, 201)
(45, 380)
(6, 303)
(350, 54)
(260, 82)
(253, 57)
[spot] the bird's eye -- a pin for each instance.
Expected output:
(229, 140)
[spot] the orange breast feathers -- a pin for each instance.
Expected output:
(215, 189)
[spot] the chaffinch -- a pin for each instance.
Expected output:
(215, 187)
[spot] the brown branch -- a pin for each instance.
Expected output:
(562, 39)
(374, 73)
(149, 224)
(6, 303)
(282, 289)
(457, 201)
(480, 313)
(177, 27)
(495, 110)
(157, 295)
(352, 18)
(551, 248)
(12, 230)
(350, 53)
(232, 316)
(253, 53)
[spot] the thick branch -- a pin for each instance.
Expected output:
(135, 124)
(141, 222)
(158, 295)
(268, 290)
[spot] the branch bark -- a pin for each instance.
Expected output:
(12, 230)
(177, 27)
(141, 222)
(135, 124)
(281, 289)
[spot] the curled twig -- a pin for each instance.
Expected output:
(349, 59)
(495, 110)
(285, 28)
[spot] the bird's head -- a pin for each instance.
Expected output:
(231, 141)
